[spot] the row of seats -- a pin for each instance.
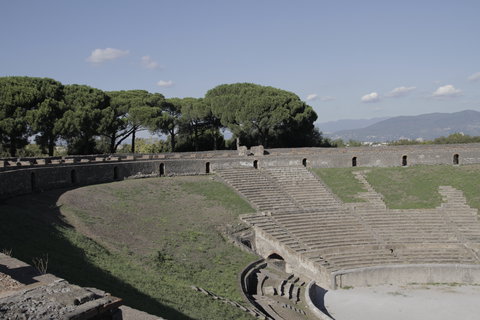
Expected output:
(258, 189)
(303, 187)
(339, 236)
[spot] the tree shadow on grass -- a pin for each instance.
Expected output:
(29, 227)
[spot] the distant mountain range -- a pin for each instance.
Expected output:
(347, 124)
(426, 126)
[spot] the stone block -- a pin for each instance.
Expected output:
(242, 151)
(257, 150)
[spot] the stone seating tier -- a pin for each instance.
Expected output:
(339, 236)
(302, 186)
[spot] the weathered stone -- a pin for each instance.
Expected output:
(257, 150)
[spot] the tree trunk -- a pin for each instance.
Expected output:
(133, 141)
(113, 147)
(51, 146)
(195, 137)
(215, 139)
(12, 149)
(172, 140)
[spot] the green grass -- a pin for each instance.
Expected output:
(215, 192)
(412, 187)
(342, 182)
(146, 241)
(417, 186)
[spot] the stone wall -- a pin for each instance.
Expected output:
(407, 274)
(294, 263)
(24, 175)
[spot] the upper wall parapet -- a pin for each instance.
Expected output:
(7, 164)
(25, 175)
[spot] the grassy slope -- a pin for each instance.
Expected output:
(408, 187)
(342, 182)
(146, 241)
(417, 186)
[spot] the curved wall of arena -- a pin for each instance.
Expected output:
(407, 274)
(25, 175)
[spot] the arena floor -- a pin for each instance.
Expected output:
(413, 302)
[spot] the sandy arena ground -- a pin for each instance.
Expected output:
(413, 302)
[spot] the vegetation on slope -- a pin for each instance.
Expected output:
(417, 186)
(146, 241)
(407, 187)
(342, 182)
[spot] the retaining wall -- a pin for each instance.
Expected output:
(407, 274)
(24, 175)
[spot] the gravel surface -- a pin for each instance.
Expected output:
(7, 283)
(52, 301)
(413, 302)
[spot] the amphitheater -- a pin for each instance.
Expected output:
(308, 240)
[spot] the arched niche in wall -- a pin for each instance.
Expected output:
(275, 256)
(255, 164)
(277, 260)
(304, 162)
(162, 169)
(207, 167)
(354, 161)
(247, 243)
(456, 159)
(404, 161)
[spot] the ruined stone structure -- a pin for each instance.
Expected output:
(25, 175)
(304, 230)
(300, 225)
(25, 293)
(358, 244)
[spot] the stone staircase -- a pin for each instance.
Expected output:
(261, 192)
(371, 197)
(280, 294)
(302, 214)
(307, 191)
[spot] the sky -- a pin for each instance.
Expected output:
(347, 59)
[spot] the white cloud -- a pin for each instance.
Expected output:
(400, 92)
(312, 97)
(446, 91)
(149, 63)
(474, 77)
(327, 98)
(102, 55)
(165, 83)
(371, 97)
